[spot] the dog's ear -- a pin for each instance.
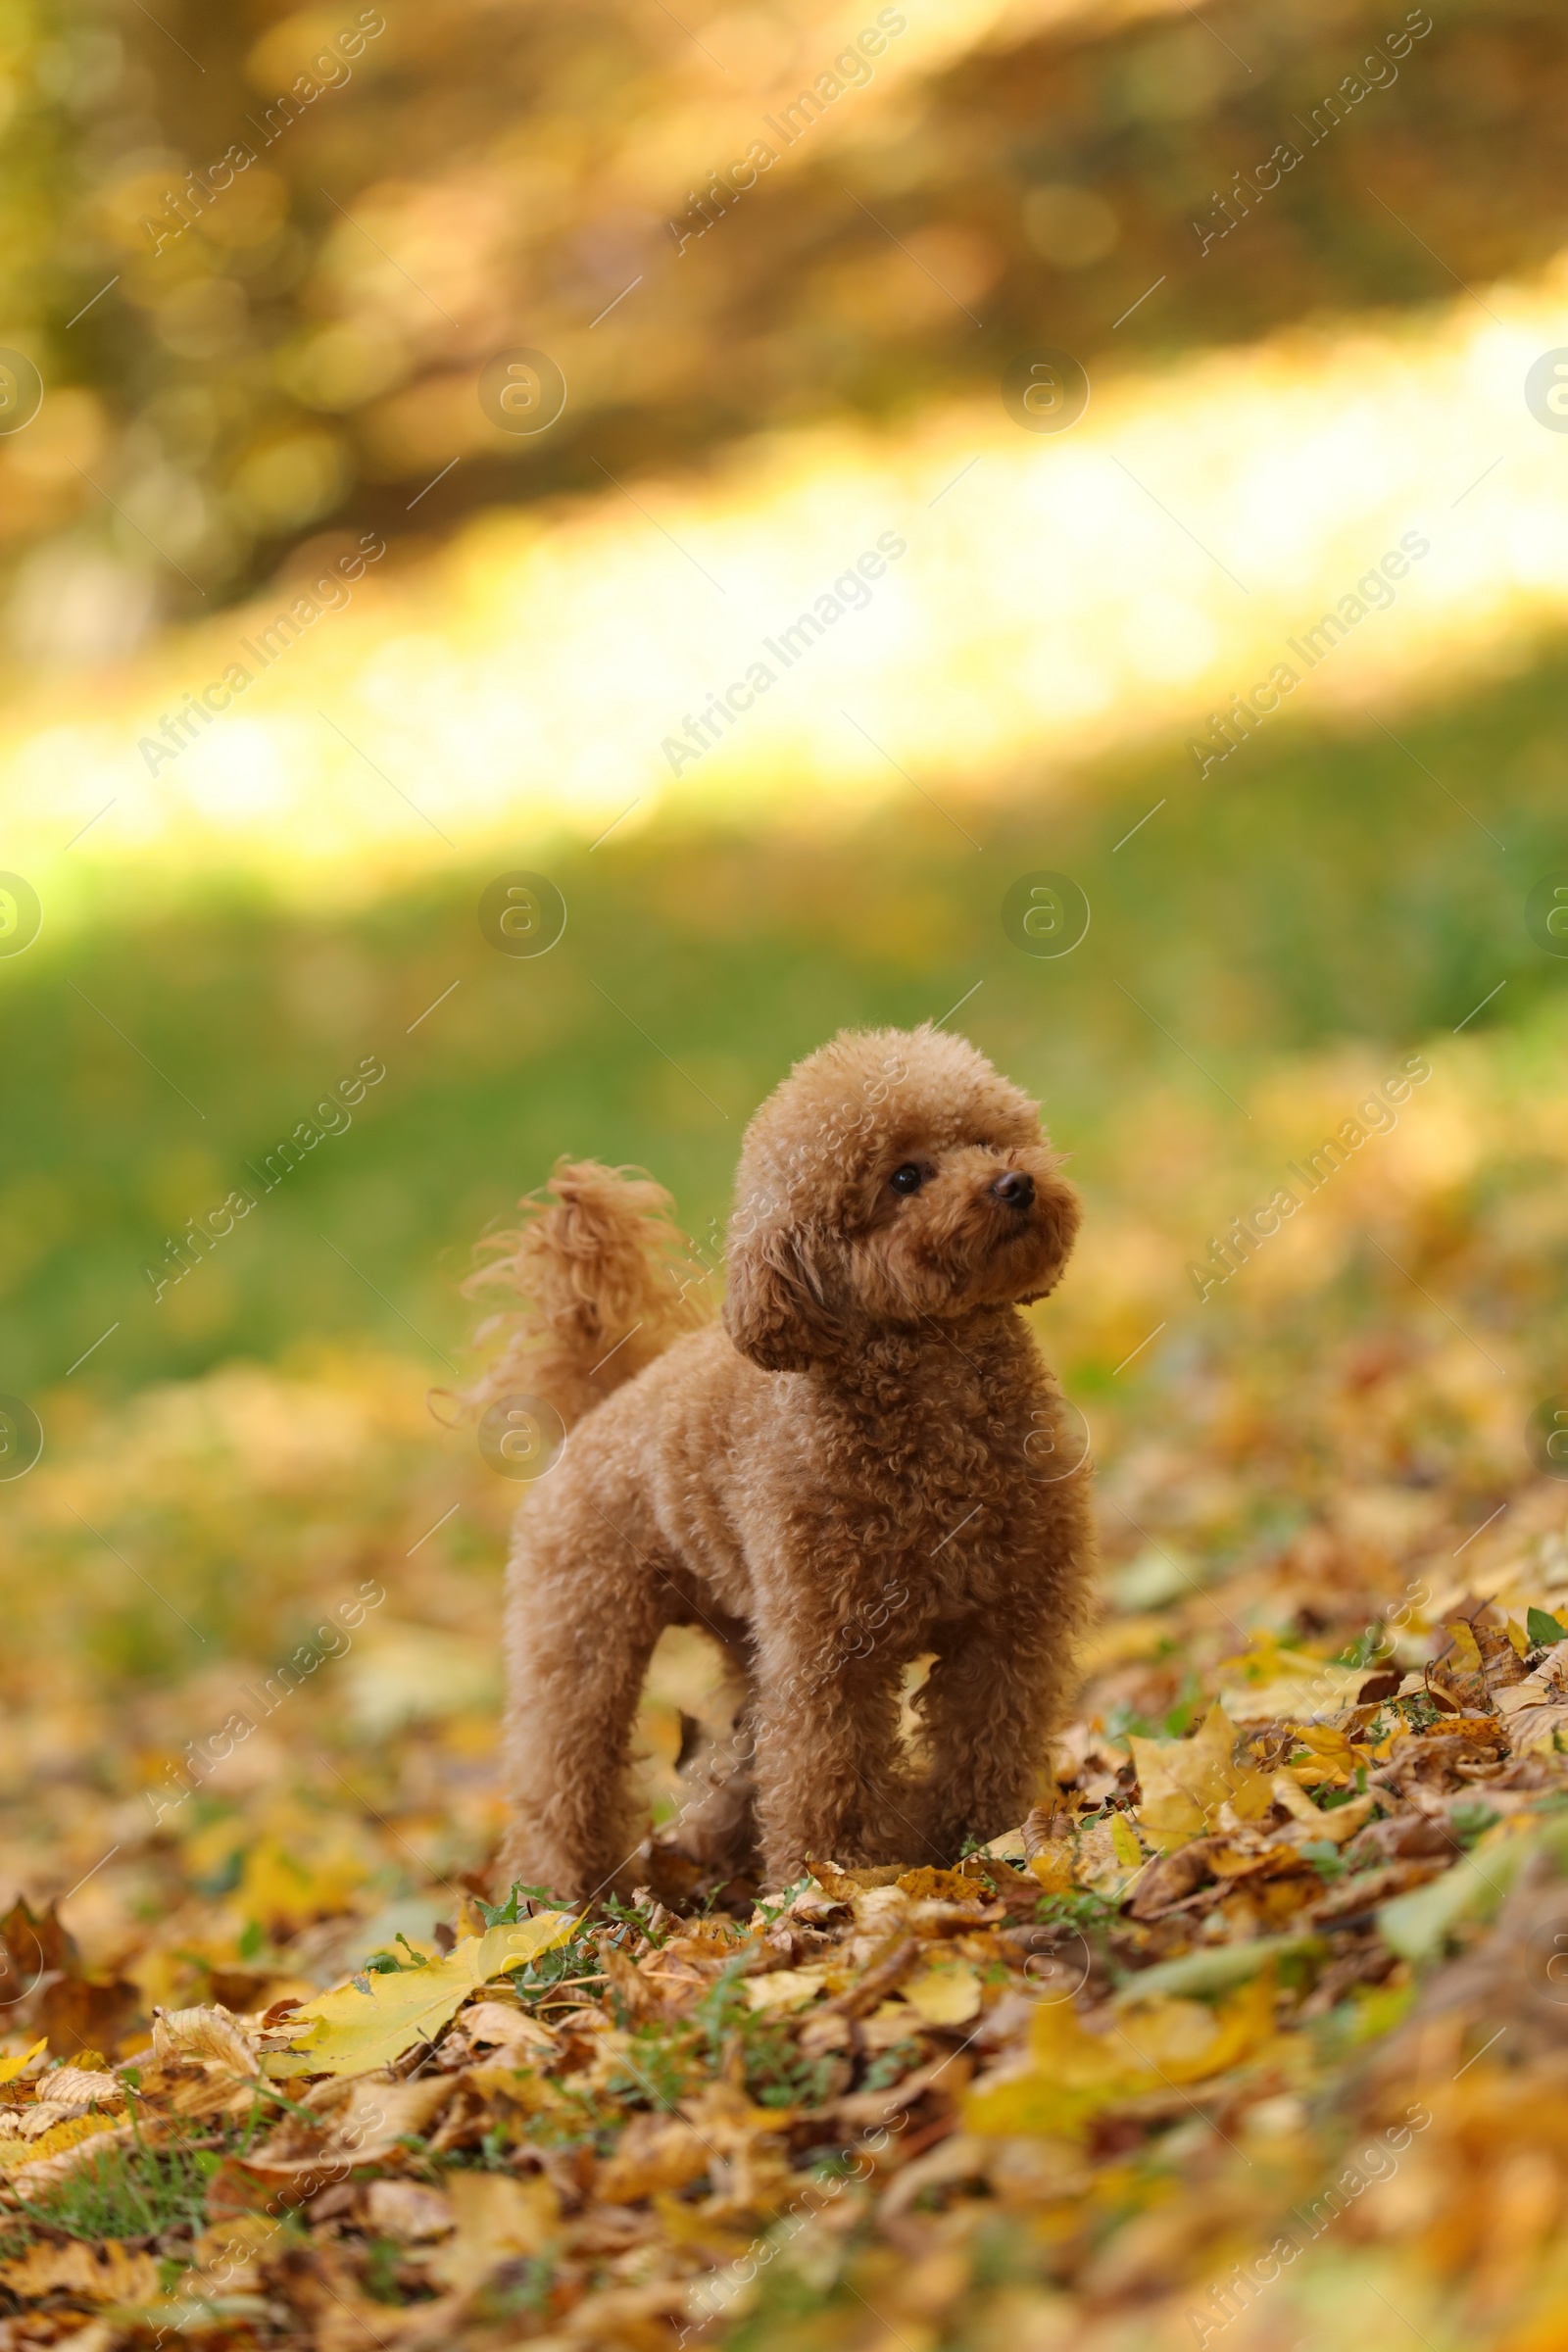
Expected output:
(774, 1310)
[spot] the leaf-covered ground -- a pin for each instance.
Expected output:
(1255, 2032)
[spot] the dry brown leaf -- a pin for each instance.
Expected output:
(642, 1997)
(77, 2086)
(78, 2013)
(657, 2152)
(321, 2285)
(502, 2025)
(212, 2035)
(497, 2218)
(405, 2211)
(100, 2274)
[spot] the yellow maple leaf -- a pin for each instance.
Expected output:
(1185, 1781)
(373, 2020)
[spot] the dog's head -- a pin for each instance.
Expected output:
(894, 1178)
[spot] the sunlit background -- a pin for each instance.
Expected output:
(269, 451)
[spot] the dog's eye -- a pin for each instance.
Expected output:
(907, 1179)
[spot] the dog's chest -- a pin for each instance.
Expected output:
(930, 1486)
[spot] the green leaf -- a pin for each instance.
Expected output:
(1417, 1925)
(1213, 1970)
(1542, 1629)
(1326, 1858)
(506, 1914)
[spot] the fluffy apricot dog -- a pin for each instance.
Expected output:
(866, 1461)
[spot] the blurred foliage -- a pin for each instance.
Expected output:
(1333, 891)
(302, 358)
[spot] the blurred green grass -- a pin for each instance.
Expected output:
(1325, 883)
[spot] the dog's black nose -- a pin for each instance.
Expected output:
(1014, 1189)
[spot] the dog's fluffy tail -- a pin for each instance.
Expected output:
(601, 1281)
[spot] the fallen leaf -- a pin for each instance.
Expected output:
(354, 2032)
(498, 2218)
(1076, 2074)
(1466, 1655)
(785, 1987)
(946, 1993)
(11, 2068)
(1128, 1850)
(86, 2012)
(1417, 1925)
(80, 2087)
(1184, 2041)
(1337, 1824)
(1305, 1688)
(407, 2212)
(502, 2025)
(1051, 1864)
(287, 1886)
(104, 2272)
(657, 2152)
(205, 2034)
(19, 2156)
(1183, 1783)
(1536, 1707)
(928, 1886)
(1289, 1792)
(35, 1942)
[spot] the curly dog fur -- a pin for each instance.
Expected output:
(862, 1464)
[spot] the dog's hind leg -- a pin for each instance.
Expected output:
(584, 1609)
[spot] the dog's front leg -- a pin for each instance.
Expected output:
(827, 1766)
(987, 1709)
